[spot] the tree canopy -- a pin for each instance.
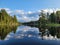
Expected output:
(5, 18)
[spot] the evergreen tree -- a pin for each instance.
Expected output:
(15, 19)
(5, 18)
(42, 20)
(52, 18)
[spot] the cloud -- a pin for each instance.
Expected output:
(9, 11)
(29, 12)
(51, 10)
(5, 8)
(48, 10)
(24, 16)
(39, 11)
(19, 11)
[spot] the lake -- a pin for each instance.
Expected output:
(27, 35)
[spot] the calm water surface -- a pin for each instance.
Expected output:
(26, 35)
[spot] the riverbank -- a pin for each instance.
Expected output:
(10, 24)
(53, 25)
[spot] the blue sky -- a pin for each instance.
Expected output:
(27, 8)
(29, 4)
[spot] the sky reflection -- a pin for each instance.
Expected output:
(28, 32)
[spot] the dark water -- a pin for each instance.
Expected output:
(26, 35)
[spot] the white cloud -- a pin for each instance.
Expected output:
(5, 8)
(24, 19)
(48, 10)
(20, 12)
(57, 9)
(29, 12)
(39, 11)
(9, 11)
(29, 15)
(51, 10)
(32, 15)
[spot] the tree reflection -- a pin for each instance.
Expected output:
(4, 30)
(53, 31)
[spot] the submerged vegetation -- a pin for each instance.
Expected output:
(6, 19)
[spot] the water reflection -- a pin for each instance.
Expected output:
(23, 32)
(52, 33)
(29, 34)
(55, 31)
(9, 32)
(6, 30)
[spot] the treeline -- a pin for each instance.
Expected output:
(47, 19)
(6, 19)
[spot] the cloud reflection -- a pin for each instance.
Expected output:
(29, 32)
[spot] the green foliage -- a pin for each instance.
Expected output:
(52, 17)
(15, 19)
(58, 13)
(5, 18)
(46, 19)
(52, 20)
(53, 25)
(42, 20)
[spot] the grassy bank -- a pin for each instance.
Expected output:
(53, 25)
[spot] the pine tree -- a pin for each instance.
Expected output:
(15, 19)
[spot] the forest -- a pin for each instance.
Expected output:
(6, 19)
(52, 19)
(46, 20)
